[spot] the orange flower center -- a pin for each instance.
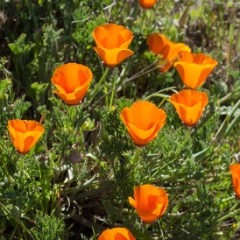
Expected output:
(119, 236)
(152, 202)
(112, 41)
(71, 81)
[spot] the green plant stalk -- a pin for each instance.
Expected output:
(17, 73)
(105, 90)
(236, 106)
(21, 168)
(231, 125)
(60, 158)
(164, 96)
(230, 214)
(134, 11)
(85, 185)
(33, 14)
(223, 128)
(100, 83)
(49, 7)
(160, 227)
(45, 177)
(82, 138)
(2, 103)
(185, 140)
(42, 201)
(7, 173)
(225, 98)
(162, 90)
(136, 155)
(167, 164)
(143, 21)
(124, 71)
(112, 95)
(231, 39)
(141, 73)
(6, 211)
(200, 155)
(228, 199)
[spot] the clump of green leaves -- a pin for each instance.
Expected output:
(48, 227)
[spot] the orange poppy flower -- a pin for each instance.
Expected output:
(194, 68)
(72, 81)
(189, 105)
(116, 234)
(235, 171)
(112, 43)
(171, 51)
(149, 201)
(24, 134)
(147, 3)
(159, 44)
(143, 121)
(156, 42)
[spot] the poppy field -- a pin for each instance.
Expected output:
(120, 120)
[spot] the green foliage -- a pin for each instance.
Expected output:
(76, 180)
(48, 227)
(37, 92)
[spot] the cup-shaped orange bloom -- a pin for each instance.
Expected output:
(170, 52)
(112, 42)
(194, 68)
(72, 81)
(235, 171)
(156, 42)
(24, 134)
(149, 201)
(159, 44)
(189, 105)
(143, 121)
(147, 3)
(116, 234)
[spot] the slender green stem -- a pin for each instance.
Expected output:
(225, 98)
(234, 108)
(136, 155)
(231, 125)
(163, 96)
(160, 226)
(100, 82)
(33, 14)
(105, 90)
(163, 90)
(221, 133)
(113, 92)
(41, 196)
(141, 73)
(134, 11)
(185, 140)
(7, 172)
(228, 199)
(9, 214)
(236, 212)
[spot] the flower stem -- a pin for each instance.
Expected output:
(221, 133)
(136, 156)
(141, 73)
(185, 141)
(112, 95)
(228, 199)
(235, 212)
(100, 82)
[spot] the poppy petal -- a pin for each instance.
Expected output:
(24, 134)
(189, 105)
(156, 42)
(112, 57)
